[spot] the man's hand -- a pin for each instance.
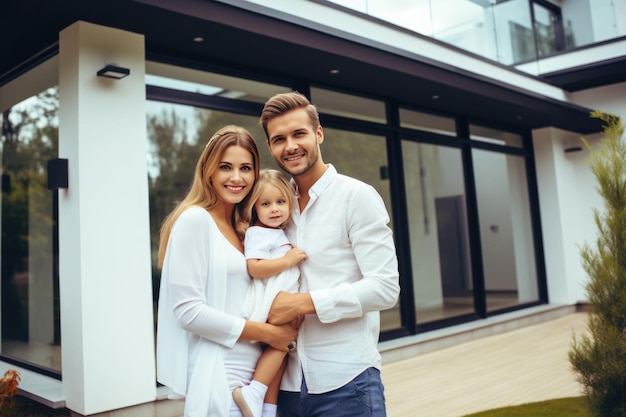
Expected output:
(280, 337)
(288, 307)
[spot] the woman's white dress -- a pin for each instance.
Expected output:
(203, 283)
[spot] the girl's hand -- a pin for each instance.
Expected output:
(294, 256)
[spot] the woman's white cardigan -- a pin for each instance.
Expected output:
(193, 329)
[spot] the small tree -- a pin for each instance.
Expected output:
(600, 357)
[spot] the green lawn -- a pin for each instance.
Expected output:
(563, 407)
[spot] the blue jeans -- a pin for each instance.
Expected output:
(362, 397)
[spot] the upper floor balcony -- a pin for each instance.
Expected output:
(540, 37)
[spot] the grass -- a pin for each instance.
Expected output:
(562, 407)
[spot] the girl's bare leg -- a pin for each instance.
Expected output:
(271, 396)
(264, 386)
(269, 366)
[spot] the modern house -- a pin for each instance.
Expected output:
(465, 115)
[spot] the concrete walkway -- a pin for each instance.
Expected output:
(520, 366)
(516, 366)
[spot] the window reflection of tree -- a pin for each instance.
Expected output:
(29, 140)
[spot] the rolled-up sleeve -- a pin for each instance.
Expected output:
(374, 251)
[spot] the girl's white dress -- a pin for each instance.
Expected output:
(203, 283)
(267, 243)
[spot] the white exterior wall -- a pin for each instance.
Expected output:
(104, 237)
(566, 195)
(611, 98)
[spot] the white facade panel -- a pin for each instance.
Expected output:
(104, 246)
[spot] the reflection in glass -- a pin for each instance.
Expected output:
(513, 30)
(348, 105)
(498, 137)
(591, 21)
(465, 24)
(505, 229)
(363, 157)
(30, 303)
(428, 122)
(177, 135)
(209, 83)
(440, 260)
(547, 30)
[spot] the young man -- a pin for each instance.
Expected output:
(350, 275)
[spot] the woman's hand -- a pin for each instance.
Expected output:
(278, 337)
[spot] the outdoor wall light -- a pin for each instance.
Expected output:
(573, 149)
(57, 174)
(112, 71)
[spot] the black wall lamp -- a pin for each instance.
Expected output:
(57, 174)
(573, 149)
(112, 71)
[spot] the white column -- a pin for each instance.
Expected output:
(566, 197)
(104, 238)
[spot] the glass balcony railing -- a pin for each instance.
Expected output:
(507, 31)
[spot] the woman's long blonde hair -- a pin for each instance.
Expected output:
(201, 192)
(266, 177)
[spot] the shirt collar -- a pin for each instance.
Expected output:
(320, 185)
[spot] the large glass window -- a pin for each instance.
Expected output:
(505, 229)
(427, 122)
(436, 209)
(176, 136)
(495, 136)
(548, 28)
(348, 105)
(364, 157)
(437, 232)
(29, 293)
(209, 83)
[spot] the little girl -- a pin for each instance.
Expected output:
(273, 265)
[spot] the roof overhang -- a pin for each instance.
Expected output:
(275, 49)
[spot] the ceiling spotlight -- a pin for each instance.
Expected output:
(112, 71)
(198, 39)
(334, 71)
